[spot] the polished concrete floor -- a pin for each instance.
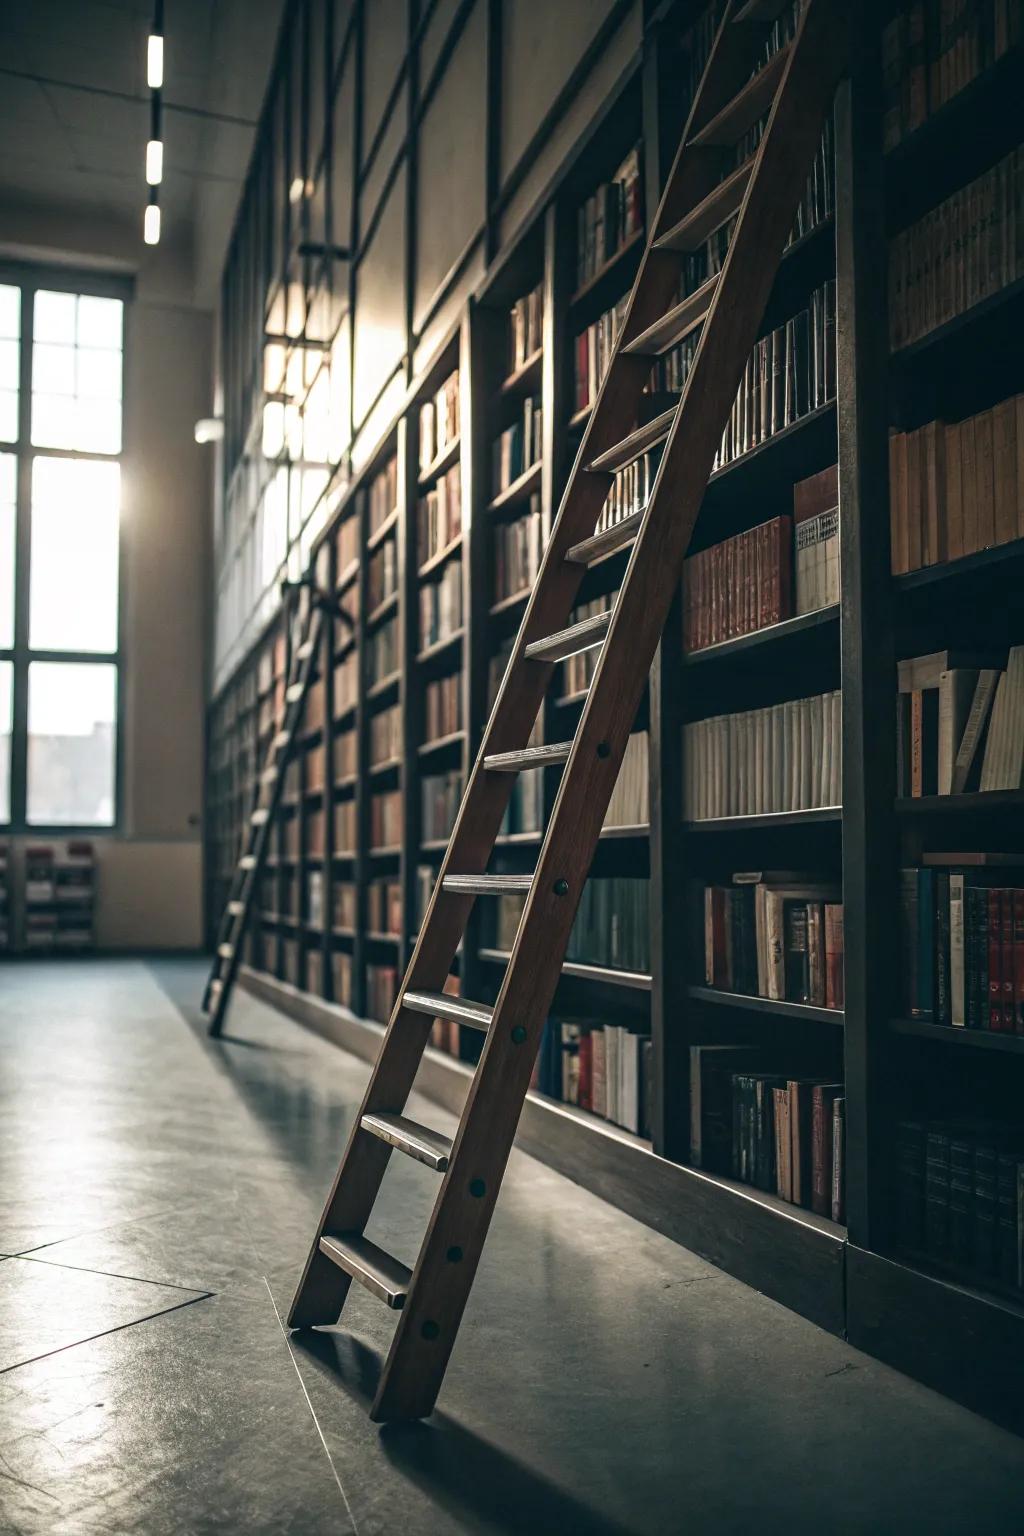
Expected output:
(157, 1194)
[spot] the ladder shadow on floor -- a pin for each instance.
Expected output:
(474, 1481)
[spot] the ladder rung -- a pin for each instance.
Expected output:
(247, 861)
(589, 551)
(636, 443)
(260, 816)
(720, 204)
(761, 10)
(268, 776)
(567, 642)
(749, 103)
(235, 908)
(441, 1005)
(679, 321)
(304, 650)
(386, 1277)
(294, 692)
(488, 885)
(528, 757)
(281, 740)
(417, 1141)
(225, 951)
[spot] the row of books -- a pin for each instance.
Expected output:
(441, 796)
(347, 538)
(518, 547)
(604, 1068)
(930, 52)
(382, 652)
(382, 573)
(962, 941)
(441, 606)
(346, 684)
(383, 500)
(579, 669)
(439, 515)
(765, 574)
(519, 447)
(790, 372)
(525, 327)
(630, 804)
(341, 977)
(345, 827)
(384, 906)
(344, 905)
(613, 924)
(315, 898)
(381, 991)
(609, 217)
(592, 352)
(386, 819)
(631, 488)
(961, 252)
(957, 487)
(788, 1138)
(59, 896)
(525, 810)
(959, 1194)
(385, 737)
(442, 707)
(960, 722)
(759, 762)
(439, 422)
(777, 935)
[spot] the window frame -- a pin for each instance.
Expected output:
(30, 278)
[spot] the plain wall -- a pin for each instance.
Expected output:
(150, 877)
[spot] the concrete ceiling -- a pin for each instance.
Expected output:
(74, 119)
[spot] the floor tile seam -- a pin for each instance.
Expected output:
(104, 1333)
(111, 1226)
(312, 1411)
(115, 1274)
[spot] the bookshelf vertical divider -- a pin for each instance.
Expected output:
(407, 449)
(866, 636)
(362, 789)
(476, 346)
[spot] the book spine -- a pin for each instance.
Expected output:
(995, 978)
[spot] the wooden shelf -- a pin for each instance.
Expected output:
(527, 374)
(980, 562)
(432, 652)
(975, 1039)
(811, 817)
(445, 459)
(772, 634)
(441, 743)
(385, 685)
(440, 557)
(383, 610)
(805, 1011)
(519, 491)
(581, 417)
(613, 267)
(992, 800)
(378, 770)
(638, 981)
(388, 526)
(507, 604)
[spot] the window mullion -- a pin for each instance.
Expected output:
(22, 559)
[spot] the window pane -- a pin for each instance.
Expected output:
(8, 484)
(9, 364)
(10, 311)
(8, 416)
(74, 560)
(72, 708)
(6, 706)
(76, 372)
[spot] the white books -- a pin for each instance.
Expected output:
(1004, 750)
(787, 757)
(981, 704)
(956, 693)
(816, 565)
(957, 989)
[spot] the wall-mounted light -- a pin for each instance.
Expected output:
(151, 222)
(209, 429)
(154, 162)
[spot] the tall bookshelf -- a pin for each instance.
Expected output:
(946, 1323)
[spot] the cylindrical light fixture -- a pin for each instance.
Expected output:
(151, 223)
(155, 145)
(155, 49)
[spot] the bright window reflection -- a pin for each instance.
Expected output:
(10, 330)
(75, 520)
(8, 491)
(72, 708)
(76, 372)
(6, 710)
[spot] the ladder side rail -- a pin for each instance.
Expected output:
(440, 1287)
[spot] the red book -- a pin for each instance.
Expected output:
(1008, 963)
(995, 950)
(1018, 962)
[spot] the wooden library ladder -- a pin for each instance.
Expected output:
(234, 921)
(742, 82)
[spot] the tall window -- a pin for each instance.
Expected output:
(61, 372)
